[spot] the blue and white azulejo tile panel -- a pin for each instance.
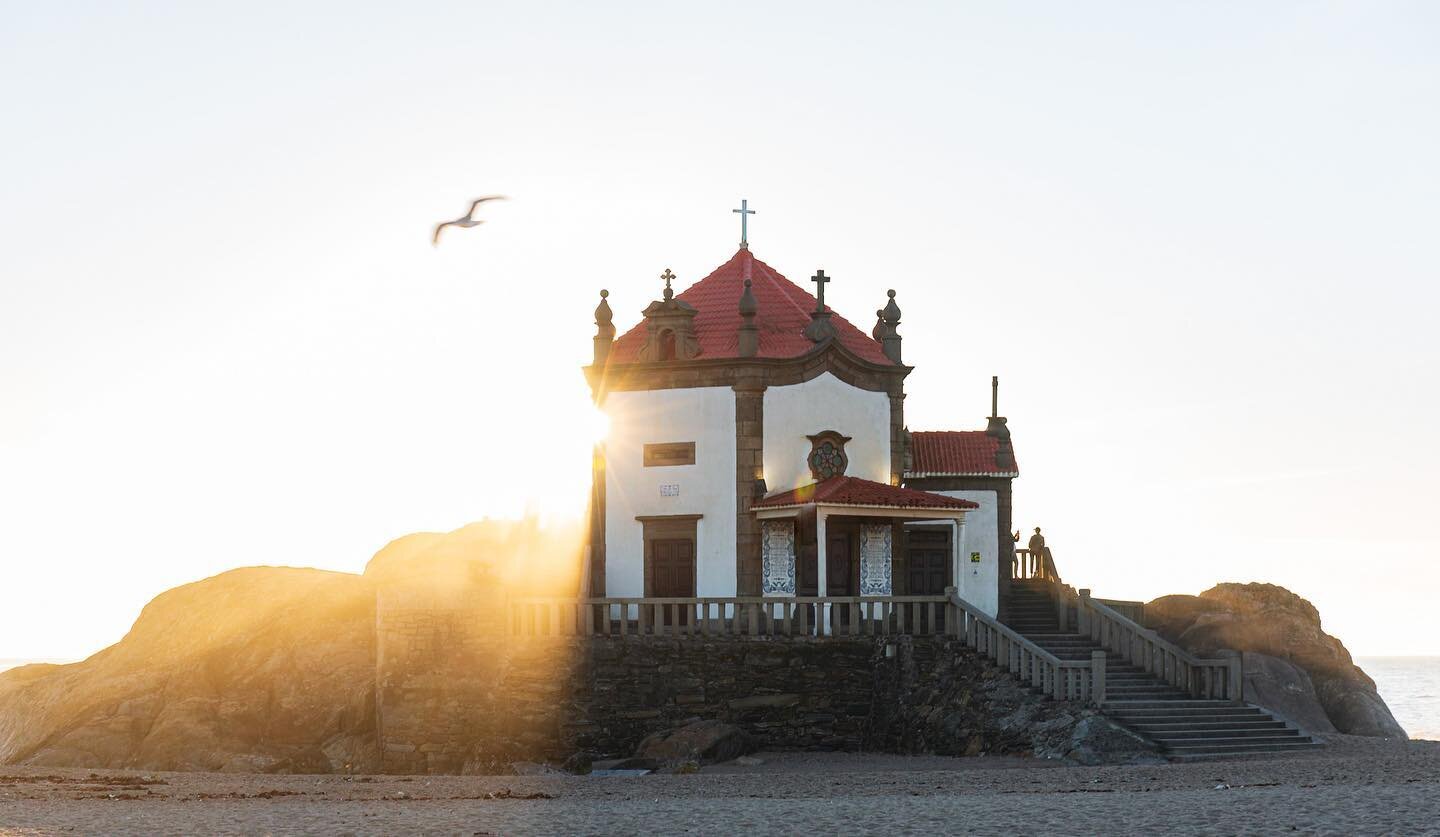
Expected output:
(777, 557)
(875, 554)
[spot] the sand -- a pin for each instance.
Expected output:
(1355, 786)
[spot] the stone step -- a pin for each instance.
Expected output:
(1223, 707)
(1225, 735)
(1224, 724)
(1201, 755)
(1236, 749)
(1180, 722)
(1147, 708)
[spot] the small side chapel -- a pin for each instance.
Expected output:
(758, 447)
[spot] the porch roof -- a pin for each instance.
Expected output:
(857, 493)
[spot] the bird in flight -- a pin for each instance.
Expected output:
(468, 220)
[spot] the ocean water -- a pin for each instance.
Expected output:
(1411, 688)
(1409, 685)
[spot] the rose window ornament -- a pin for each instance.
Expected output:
(827, 455)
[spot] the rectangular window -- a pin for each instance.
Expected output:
(670, 453)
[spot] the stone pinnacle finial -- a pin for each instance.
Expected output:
(603, 315)
(667, 276)
(892, 311)
(748, 305)
(888, 326)
(995, 426)
(604, 329)
(748, 336)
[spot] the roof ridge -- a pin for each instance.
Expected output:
(774, 278)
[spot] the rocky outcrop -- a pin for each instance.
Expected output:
(263, 669)
(1292, 666)
(258, 669)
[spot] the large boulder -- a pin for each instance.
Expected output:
(261, 669)
(1271, 626)
(703, 742)
(1286, 690)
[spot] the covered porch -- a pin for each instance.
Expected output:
(839, 539)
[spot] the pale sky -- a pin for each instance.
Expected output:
(1196, 241)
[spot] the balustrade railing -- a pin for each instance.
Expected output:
(1082, 680)
(1028, 564)
(731, 616)
(819, 617)
(1220, 679)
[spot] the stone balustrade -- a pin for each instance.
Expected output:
(796, 616)
(815, 617)
(1080, 680)
(1218, 679)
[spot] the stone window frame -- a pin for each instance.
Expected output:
(667, 454)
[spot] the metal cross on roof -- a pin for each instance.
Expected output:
(745, 211)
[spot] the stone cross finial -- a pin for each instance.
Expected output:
(667, 276)
(820, 279)
(820, 328)
(745, 212)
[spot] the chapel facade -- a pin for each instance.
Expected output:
(758, 447)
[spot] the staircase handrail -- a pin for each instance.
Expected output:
(1082, 680)
(1129, 609)
(1201, 677)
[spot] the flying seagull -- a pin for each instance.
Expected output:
(468, 220)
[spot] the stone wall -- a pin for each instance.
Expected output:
(453, 697)
(440, 665)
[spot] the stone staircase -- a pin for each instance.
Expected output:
(1185, 728)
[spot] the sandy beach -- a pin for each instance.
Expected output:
(1355, 786)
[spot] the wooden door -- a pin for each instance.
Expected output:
(927, 561)
(839, 565)
(673, 566)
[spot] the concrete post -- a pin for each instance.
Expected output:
(1082, 612)
(1234, 676)
(1097, 677)
(822, 583)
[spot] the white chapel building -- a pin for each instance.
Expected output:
(758, 447)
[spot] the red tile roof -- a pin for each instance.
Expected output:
(853, 491)
(949, 453)
(784, 311)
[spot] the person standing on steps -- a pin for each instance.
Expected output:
(1037, 551)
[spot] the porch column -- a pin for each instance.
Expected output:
(822, 583)
(957, 537)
